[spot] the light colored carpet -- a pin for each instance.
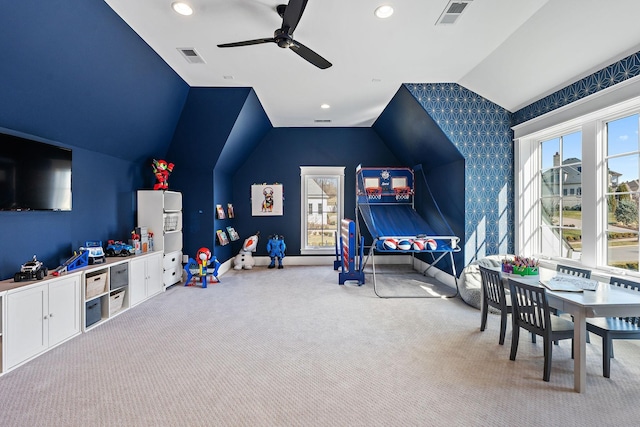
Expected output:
(293, 348)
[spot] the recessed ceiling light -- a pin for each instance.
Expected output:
(182, 8)
(325, 106)
(384, 11)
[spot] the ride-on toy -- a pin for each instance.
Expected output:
(31, 270)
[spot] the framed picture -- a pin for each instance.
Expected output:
(222, 237)
(230, 212)
(233, 234)
(220, 212)
(266, 200)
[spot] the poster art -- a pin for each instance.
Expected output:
(266, 200)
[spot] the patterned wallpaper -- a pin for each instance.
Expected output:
(602, 79)
(481, 131)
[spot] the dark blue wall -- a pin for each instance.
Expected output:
(74, 74)
(416, 139)
(278, 159)
(217, 128)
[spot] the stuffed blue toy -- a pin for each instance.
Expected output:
(276, 248)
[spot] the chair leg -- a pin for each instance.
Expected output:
(503, 326)
(483, 317)
(548, 350)
(606, 356)
(515, 336)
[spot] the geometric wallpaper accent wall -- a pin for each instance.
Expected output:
(615, 73)
(481, 131)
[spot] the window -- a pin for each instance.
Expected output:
(322, 187)
(622, 160)
(591, 150)
(561, 216)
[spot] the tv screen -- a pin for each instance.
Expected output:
(34, 175)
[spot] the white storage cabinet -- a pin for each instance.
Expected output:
(41, 316)
(161, 212)
(106, 292)
(145, 277)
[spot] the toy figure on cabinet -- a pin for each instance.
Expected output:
(276, 248)
(162, 170)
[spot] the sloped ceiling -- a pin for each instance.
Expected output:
(510, 52)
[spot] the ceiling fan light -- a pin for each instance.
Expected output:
(182, 8)
(384, 11)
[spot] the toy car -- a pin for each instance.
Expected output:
(117, 247)
(96, 253)
(31, 270)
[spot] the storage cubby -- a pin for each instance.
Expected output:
(106, 292)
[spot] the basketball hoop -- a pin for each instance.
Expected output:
(402, 193)
(374, 193)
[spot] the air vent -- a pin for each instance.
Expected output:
(322, 120)
(453, 11)
(191, 55)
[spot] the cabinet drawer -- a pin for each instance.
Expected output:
(172, 276)
(172, 260)
(119, 275)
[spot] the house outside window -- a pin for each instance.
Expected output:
(321, 187)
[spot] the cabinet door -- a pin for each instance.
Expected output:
(26, 324)
(137, 281)
(64, 309)
(155, 284)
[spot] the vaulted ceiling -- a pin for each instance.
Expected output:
(510, 52)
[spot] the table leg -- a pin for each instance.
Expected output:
(580, 352)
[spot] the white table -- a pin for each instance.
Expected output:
(605, 301)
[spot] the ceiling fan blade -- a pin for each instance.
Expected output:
(248, 42)
(292, 15)
(309, 55)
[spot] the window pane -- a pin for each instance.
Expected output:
(322, 222)
(550, 210)
(622, 135)
(550, 153)
(571, 181)
(623, 170)
(622, 250)
(572, 242)
(572, 148)
(550, 182)
(550, 244)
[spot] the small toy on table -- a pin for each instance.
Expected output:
(78, 260)
(276, 248)
(31, 270)
(198, 268)
(244, 259)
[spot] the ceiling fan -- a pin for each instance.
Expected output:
(283, 36)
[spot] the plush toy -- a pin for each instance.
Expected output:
(244, 259)
(162, 170)
(276, 248)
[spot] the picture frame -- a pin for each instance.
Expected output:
(267, 200)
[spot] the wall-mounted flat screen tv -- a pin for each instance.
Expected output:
(34, 175)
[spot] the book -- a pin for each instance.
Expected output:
(222, 237)
(568, 283)
(233, 234)
(220, 212)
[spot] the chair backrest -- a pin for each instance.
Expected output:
(530, 307)
(492, 287)
(627, 284)
(574, 271)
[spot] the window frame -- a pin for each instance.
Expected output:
(309, 172)
(590, 116)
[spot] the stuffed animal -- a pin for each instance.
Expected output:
(162, 170)
(276, 248)
(244, 259)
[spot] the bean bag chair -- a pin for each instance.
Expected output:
(470, 283)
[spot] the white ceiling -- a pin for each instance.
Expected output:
(510, 52)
